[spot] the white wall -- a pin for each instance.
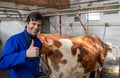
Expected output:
(8, 28)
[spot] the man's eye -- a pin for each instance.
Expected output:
(34, 23)
(37, 24)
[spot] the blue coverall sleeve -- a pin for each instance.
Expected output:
(11, 55)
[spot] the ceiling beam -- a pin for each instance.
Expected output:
(60, 4)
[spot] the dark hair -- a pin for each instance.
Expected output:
(34, 16)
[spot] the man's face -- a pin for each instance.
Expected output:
(33, 27)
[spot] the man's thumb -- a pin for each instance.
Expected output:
(32, 43)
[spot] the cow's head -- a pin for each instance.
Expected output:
(111, 46)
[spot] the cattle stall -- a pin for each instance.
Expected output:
(83, 17)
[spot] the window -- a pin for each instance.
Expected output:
(93, 16)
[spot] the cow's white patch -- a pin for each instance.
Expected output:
(72, 69)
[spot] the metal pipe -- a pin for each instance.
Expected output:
(60, 22)
(82, 12)
(90, 24)
(58, 14)
(14, 8)
(13, 11)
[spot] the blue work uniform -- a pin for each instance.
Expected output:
(13, 56)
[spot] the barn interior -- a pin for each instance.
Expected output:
(67, 17)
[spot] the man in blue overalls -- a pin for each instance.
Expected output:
(21, 54)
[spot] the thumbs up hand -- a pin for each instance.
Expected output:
(32, 51)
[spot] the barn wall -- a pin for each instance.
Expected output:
(9, 28)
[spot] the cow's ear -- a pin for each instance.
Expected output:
(110, 46)
(57, 43)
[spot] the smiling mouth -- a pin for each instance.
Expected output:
(35, 31)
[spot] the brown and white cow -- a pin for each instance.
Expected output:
(78, 57)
